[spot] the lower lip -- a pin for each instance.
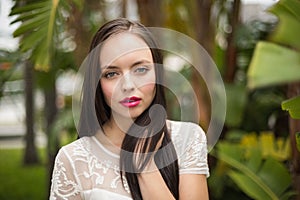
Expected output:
(131, 104)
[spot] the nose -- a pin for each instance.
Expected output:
(127, 83)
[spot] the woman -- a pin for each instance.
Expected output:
(127, 148)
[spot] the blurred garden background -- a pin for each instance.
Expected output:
(254, 43)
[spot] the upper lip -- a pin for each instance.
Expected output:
(130, 99)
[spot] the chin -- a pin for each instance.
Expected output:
(132, 113)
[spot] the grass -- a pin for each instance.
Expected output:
(19, 182)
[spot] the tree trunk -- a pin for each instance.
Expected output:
(82, 35)
(77, 25)
(203, 27)
(50, 112)
(30, 156)
(231, 53)
(124, 8)
(150, 12)
(203, 32)
(294, 90)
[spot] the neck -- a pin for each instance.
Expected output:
(116, 128)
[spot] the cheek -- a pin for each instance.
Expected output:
(147, 85)
(148, 89)
(107, 90)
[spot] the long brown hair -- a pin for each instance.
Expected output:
(149, 127)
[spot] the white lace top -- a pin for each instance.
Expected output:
(88, 168)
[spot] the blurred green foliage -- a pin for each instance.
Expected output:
(248, 166)
(21, 182)
(255, 164)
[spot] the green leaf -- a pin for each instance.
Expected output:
(288, 195)
(39, 20)
(33, 39)
(293, 106)
(30, 15)
(275, 175)
(234, 151)
(242, 168)
(29, 8)
(257, 177)
(41, 56)
(247, 185)
(236, 102)
(255, 159)
(273, 64)
(31, 25)
(288, 30)
(291, 6)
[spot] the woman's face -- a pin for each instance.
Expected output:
(128, 75)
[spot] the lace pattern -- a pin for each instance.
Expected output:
(97, 169)
(64, 187)
(88, 170)
(191, 147)
(82, 165)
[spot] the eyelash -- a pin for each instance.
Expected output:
(145, 69)
(140, 70)
(109, 75)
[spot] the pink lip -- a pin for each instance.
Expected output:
(131, 101)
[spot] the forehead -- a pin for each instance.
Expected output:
(123, 44)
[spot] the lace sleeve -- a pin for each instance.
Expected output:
(194, 156)
(64, 184)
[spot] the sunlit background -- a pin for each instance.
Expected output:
(12, 111)
(256, 53)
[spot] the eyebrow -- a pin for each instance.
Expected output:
(142, 61)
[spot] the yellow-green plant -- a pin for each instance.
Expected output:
(277, 61)
(255, 165)
(277, 148)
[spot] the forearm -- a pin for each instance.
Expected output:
(152, 184)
